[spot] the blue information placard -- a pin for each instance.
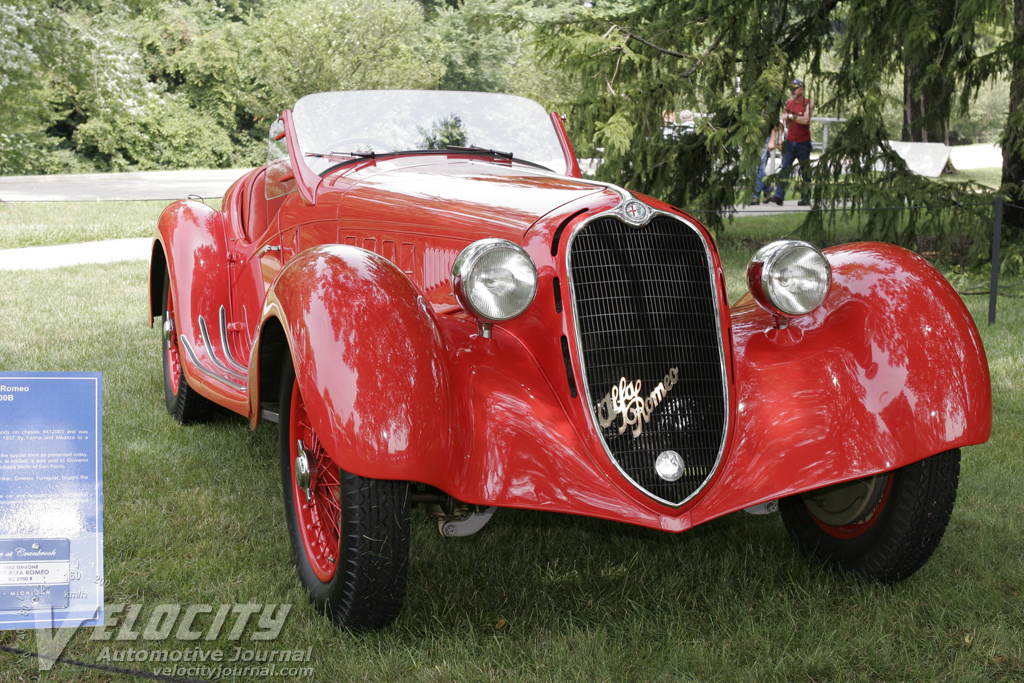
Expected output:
(51, 499)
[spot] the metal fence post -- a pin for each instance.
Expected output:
(997, 235)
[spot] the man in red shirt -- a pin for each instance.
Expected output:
(798, 143)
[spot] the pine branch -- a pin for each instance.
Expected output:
(672, 53)
(629, 34)
(804, 29)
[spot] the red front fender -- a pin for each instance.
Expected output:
(888, 371)
(369, 361)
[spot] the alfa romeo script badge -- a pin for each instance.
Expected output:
(625, 401)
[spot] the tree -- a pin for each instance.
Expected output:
(932, 56)
(729, 60)
(303, 46)
(475, 55)
(1013, 133)
(81, 94)
(31, 38)
(732, 61)
(488, 45)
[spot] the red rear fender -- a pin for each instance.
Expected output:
(190, 243)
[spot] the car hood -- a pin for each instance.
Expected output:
(459, 196)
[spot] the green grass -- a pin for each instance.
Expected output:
(33, 224)
(48, 223)
(194, 515)
(990, 177)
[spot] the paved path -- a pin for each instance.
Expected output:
(139, 248)
(87, 187)
(145, 185)
(108, 251)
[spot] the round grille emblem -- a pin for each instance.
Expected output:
(669, 465)
(635, 212)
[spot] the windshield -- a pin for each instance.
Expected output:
(330, 126)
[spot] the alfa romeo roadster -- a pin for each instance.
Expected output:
(440, 312)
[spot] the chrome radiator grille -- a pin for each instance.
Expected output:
(646, 311)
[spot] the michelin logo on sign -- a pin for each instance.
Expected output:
(34, 573)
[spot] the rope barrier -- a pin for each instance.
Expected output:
(746, 210)
(998, 204)
(978, 291)
(101, 667)
(999, 292)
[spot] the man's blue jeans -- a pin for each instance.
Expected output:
(759, 185)
(795, 151)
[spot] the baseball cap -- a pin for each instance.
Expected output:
(797, 83)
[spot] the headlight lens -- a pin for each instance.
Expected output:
(789, 277)
(494, 279)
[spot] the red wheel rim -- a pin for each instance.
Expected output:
(319, 518)
(863, 525)
(171, 348)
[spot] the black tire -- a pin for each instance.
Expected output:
(350, 539)
(882, 528)
(182, 401)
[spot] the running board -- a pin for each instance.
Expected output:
(270, 412)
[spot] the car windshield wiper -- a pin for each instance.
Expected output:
(479, 150)
(328, 155)
(358, 156)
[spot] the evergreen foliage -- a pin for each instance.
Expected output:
(1011, 57)
(734, 61)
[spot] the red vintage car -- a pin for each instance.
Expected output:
(439, 311)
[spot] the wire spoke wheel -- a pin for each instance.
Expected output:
(349, 534)
(181, 400)
(172, 359)
(317, 494)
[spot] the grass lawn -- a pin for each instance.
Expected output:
(33, 224)
(992, 177)
(194, 516)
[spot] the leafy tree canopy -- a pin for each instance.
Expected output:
(103, 84)
(303, 46)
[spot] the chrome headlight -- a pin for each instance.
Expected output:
(789, 278)
(494, 279)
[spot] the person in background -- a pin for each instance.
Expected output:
(677, 125)
(773, 143)
(798, 142)
(669, 131)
